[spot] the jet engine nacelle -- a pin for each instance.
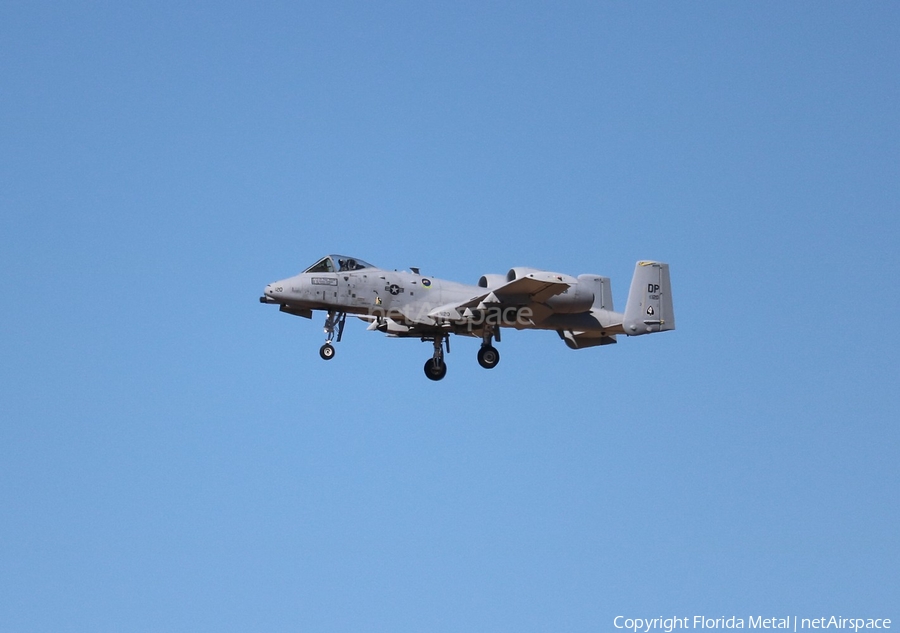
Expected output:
(576, 298)
(541, 275)
(491, 281)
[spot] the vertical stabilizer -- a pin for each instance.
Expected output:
(649, 307)
(600, 286)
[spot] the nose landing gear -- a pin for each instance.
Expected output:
(333, 319)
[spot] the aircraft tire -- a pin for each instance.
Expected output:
(326, 351)
(435, 369)
(488, 356)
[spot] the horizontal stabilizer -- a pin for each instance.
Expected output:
(581, 340)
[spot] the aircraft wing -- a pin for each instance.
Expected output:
(531, 291)
(521, 291)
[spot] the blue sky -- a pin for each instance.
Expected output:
(176, 456)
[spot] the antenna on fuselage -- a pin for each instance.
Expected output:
(415, 270)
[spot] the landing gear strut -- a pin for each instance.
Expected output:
(435, 367)
(488, 356)
(333, 319)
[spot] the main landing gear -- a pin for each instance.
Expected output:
(488, 356)
(333, 319)
(435, 367)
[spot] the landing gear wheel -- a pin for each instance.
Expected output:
(435, 369)
(488, 357)
(326, 351)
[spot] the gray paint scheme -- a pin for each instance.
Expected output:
(408, 304)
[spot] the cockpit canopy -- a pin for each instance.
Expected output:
(337, 263)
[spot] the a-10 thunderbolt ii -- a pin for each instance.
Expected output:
(409, 304)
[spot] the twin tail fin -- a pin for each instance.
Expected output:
(649, 307)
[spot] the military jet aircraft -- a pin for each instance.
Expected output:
(409, 304)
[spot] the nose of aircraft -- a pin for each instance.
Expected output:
(270, 295)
